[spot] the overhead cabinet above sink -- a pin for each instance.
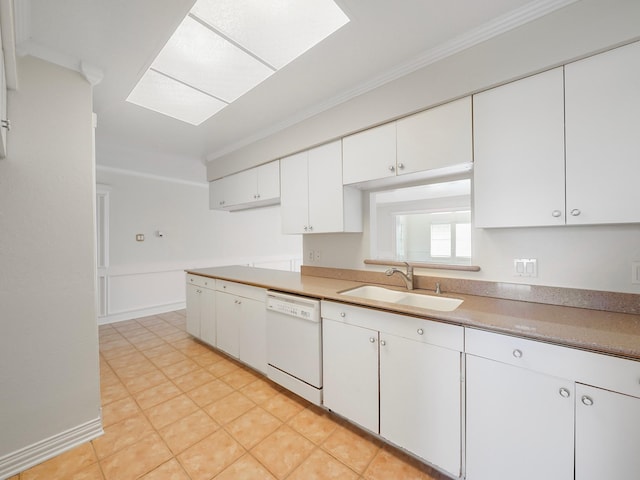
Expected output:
(437, 138)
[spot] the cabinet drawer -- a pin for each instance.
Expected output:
(418, 329)
(200, 281)
(242, 290)
(604, 371)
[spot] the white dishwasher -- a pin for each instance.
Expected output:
(294, 344)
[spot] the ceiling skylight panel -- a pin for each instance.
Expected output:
(199, 57)
(277, 31)
(169, 97)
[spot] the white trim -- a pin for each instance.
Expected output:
(143, 312)
(491, 29)
(38, 452)
(150, 176)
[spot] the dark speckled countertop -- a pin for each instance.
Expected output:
(594, 330)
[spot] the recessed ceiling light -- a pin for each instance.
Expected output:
(224, 48)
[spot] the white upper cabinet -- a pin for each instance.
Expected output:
(603, 137)
(370, 154)
(519, 153)
(436, 138)
(313, 199)
(256, 187)
(561, 147)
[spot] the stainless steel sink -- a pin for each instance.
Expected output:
(382, 294)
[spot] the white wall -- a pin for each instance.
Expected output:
(147, 277)
(49, 381)
(580, 257)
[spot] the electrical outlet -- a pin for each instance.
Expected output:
(635, 273)
(525, 267)
(318, 255)
(311, 255)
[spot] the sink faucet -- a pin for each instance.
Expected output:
(407, 277)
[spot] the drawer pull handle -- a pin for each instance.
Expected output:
(588, 401)
(564, 393)
(420, 331)
(342, 314)
(517, 353)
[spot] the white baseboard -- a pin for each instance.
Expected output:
(139, 313)
(32, 455)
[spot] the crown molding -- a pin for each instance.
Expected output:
(491, 29)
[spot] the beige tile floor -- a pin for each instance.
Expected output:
(175, 409)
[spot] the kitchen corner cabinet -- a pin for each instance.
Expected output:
(241, 323)
(313, 199)
(603, 137)
(550, 411)
(435, 138)
(396, 376)
(256, 187)
(201, 308)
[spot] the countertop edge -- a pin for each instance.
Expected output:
(591, 330)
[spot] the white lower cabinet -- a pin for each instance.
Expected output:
(607, 434)
(350, 372)
(420, 394)
(201, 308)
(519, 424)
(241, 323)
(535, 410)
(397, 376)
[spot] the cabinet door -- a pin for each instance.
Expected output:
(268, 181)
(208, 316)
(253, 334)
(193, 310)
(326, 203)
(350, 372)
(241, 188)
(603, 139)
(294, 193)
(519, 153)
(436, 138)
(519, 424)
(217, 194)
(370, 154)
(607, 434)
(420, 400)
(228, 315)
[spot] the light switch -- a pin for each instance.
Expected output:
(525, 267)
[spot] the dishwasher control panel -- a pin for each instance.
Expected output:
(300, 307)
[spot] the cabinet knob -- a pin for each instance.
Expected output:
(575, 212)
(517, 353)
(310, 228)
(372, 340)
(420, 331)
(564, 393)
(401, 166)
(342, 314)
(392, 168)
(6, 124)
(556, 213)
(383, 343)
(306, 228)
(586, 400)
